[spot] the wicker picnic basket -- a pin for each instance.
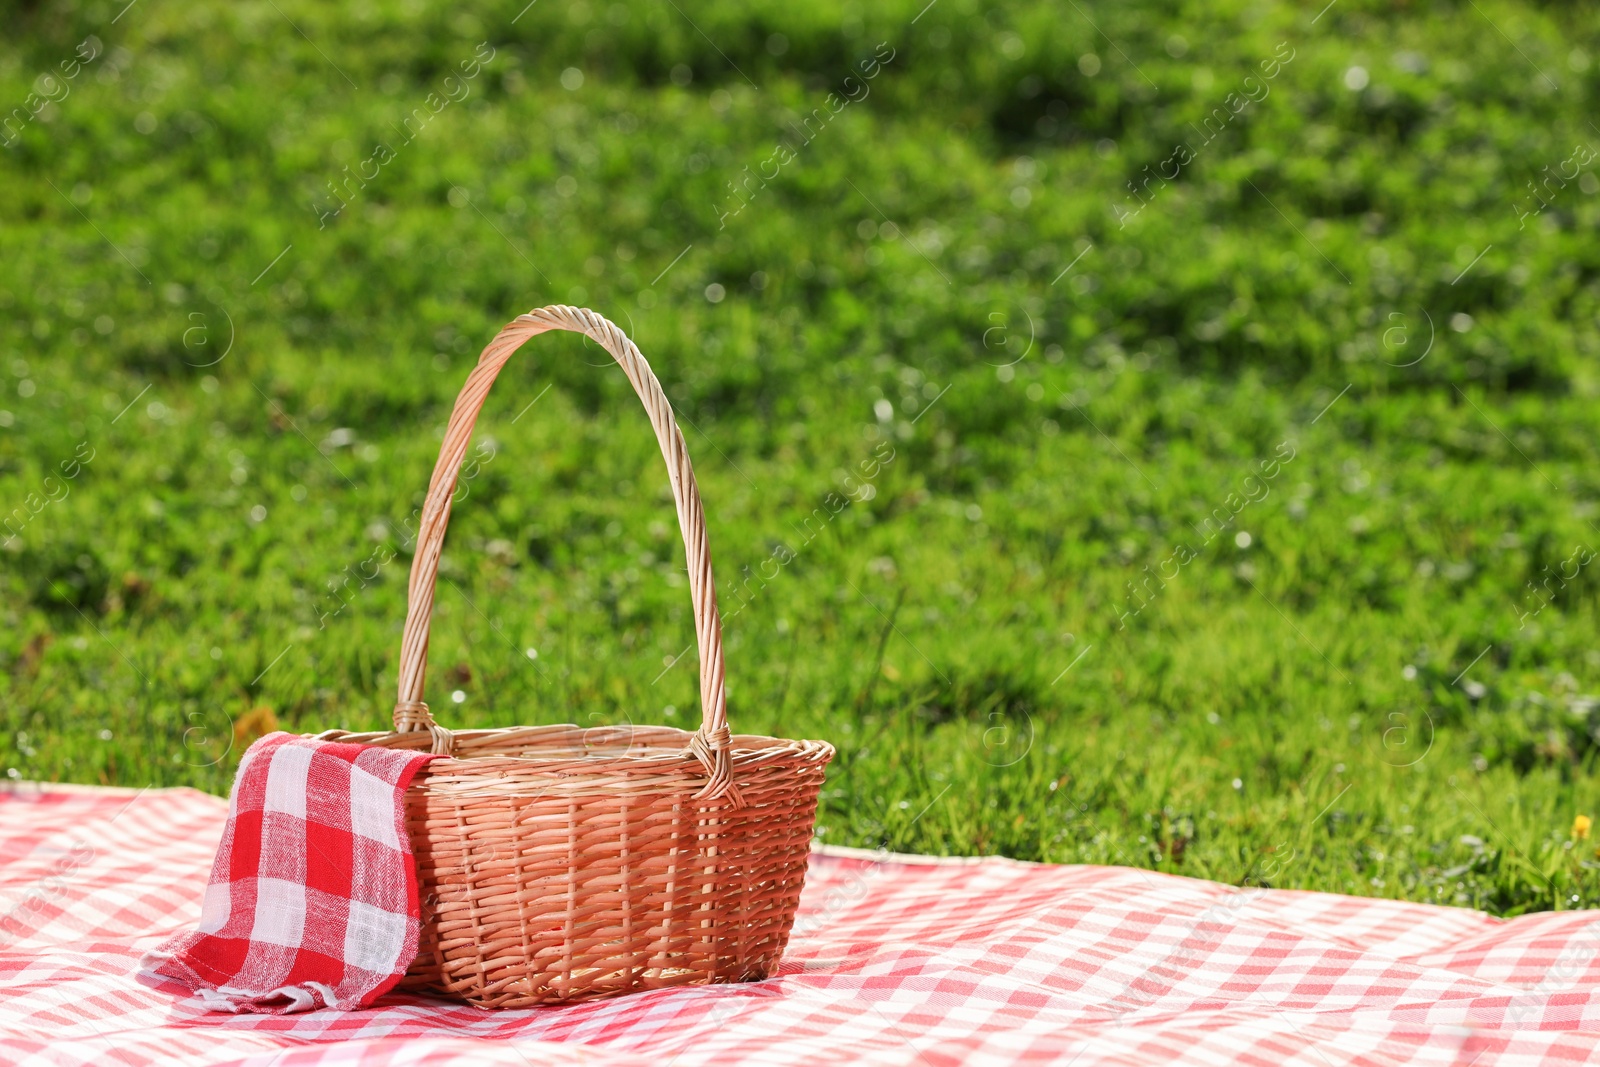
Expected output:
(559, 864)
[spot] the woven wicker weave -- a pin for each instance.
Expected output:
(559, 864)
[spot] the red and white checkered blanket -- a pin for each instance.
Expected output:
(312, 901)
(894, 960)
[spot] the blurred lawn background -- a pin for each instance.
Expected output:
(967, 367)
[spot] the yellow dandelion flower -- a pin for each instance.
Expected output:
(1580, 827)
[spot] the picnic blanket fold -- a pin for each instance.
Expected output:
(312, 900)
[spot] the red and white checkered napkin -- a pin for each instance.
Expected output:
(312, 901)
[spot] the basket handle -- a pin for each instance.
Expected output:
(710, 743)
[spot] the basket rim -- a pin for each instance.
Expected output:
(660, 764)
(650, 747)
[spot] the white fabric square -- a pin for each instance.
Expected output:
(372, 808)
(280, 913)
(214, 907)
(373, 938)
(286, 781)
(235, 795)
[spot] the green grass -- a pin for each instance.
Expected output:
(1352, 698)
